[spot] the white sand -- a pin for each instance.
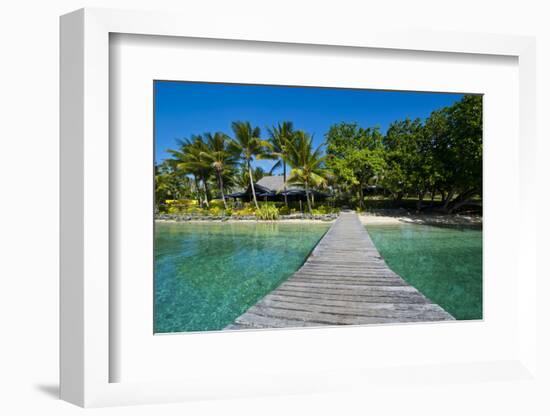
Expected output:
(367, 219)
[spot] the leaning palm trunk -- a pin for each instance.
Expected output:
(252, 186)
(307, 198)
(220, 182)
(284, 183)
(197, 189)
(206, 193)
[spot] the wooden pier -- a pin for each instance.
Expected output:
(344, 281)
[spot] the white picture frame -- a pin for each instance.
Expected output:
(85, 351)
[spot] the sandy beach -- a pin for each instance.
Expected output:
(426, 219)
(367, 219)
(372, 218)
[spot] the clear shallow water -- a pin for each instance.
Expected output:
(445, 264)
(208, 274)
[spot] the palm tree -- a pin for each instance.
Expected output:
(280, 137)
(307, 164)
(257, 173)
(248, 145)
(169, 183)
(220, 157)
(189, 159)
(242, 178)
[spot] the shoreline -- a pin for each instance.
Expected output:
(283, 221)
(386, 218)
(369, 218)
(320, 219)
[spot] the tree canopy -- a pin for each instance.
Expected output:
(355, 156)
(439, 156)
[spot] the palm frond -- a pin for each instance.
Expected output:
(276, 166)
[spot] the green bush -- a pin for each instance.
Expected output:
(324, 209)
(181, 206)
(194, 211)
(181, 202)
(243, 211)
(267, 213)
(217, 203)
(215, 211)
(284, 210)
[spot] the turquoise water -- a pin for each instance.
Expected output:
(445, 264)
(208, 274)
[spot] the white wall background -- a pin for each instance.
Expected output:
(29, 206)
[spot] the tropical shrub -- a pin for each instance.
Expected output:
(284, 210)
(215, 211)
(243, 212)
(267, 213)
(216, 203)
(180, 206)
(194, 211)
(324, 209)
(182, 202)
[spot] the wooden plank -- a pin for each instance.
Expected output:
(356, 310)
(352, 293)
(356, 281)
(352, 297)
(344, 281)
(351, 287)
(396, 304)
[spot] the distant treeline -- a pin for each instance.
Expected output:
(442, 156)
(439, 159)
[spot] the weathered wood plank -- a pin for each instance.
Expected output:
(321, 318)
(351, 281)
(363, 310)
(348, 286)
(359, 305)
(345, 281)
(352, 297)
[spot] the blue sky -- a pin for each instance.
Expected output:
(186, 108)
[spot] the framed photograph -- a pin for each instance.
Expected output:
(278, 212)
(268, 232)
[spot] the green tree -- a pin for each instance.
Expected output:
(280, 137)
(190, 159)
(248, 145)
(408, 154)
(220, 156)
(456, 136)
(355, 156)
(169, 184)
(242, 177)
(308, 164)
